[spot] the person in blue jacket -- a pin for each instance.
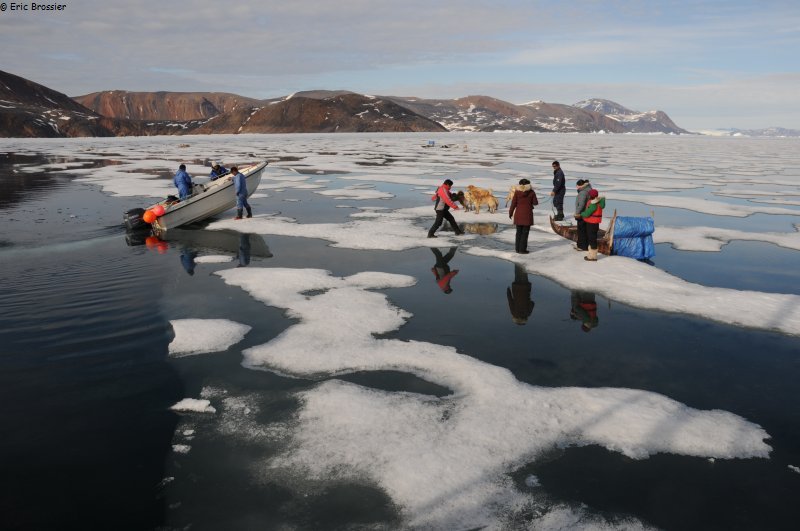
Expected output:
(559, 190)
(184, 182)
(240, 185)
(217, 171)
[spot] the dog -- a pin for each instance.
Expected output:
(460, 198)
(510, 196)
(475, 197)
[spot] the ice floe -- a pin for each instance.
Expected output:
(193, 405)
(713, 239)
(446, 461)
(199, 336)
(213, 259)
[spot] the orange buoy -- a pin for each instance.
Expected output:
(158, 210)
(149, 216)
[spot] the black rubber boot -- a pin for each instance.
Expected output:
(249, 212)
(238, 213)
(559, 216)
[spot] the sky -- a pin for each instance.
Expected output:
(708, 64)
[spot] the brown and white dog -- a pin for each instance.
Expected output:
(510, 196)
(475, 197)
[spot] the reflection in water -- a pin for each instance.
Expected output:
(584, 308)
(193, 242)
(519, 296)
(228, 241)
(480, 228)
(187, 260)
(244, 250)
(441, 269)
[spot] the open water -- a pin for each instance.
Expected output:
(86, 381)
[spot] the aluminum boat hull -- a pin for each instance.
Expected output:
(211, 199)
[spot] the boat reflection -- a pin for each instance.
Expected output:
(194, 242)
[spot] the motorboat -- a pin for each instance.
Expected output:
(206, 200)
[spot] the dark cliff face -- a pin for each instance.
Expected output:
(28, 109)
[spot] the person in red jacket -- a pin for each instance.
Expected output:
(592, 215)
(443, 205)
(521, 211)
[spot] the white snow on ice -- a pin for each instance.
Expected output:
(199, 336)
(213, 259)
(446, 461)
(193, 405)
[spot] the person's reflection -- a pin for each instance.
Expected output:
(244, 250)
(519, 296)
(187, 260)
(584, 308)
(442, 268)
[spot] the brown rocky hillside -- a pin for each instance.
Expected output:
(177, 106)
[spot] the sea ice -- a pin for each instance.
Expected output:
(446, 461)
(199, 336)
(193, 405)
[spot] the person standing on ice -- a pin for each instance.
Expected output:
(559, 190)
(443, 205)
(183, 181)
(240, 185)
(521, 211)
(580, 203)
(592, 216)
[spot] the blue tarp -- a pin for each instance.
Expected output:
(633, 237)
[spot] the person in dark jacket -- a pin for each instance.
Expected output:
(584, 187)
(441, 269)
(519, 296)
(521, 211)
(217, 171)
(183, 181)
(442, 207)
(559, 190)
(240, 185)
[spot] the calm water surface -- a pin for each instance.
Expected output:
(86, 381)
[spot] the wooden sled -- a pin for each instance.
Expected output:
(605, 238)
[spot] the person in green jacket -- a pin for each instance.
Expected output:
(592, 215)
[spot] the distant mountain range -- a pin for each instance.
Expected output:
(28, 109)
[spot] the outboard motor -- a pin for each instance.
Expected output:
(133, 220)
